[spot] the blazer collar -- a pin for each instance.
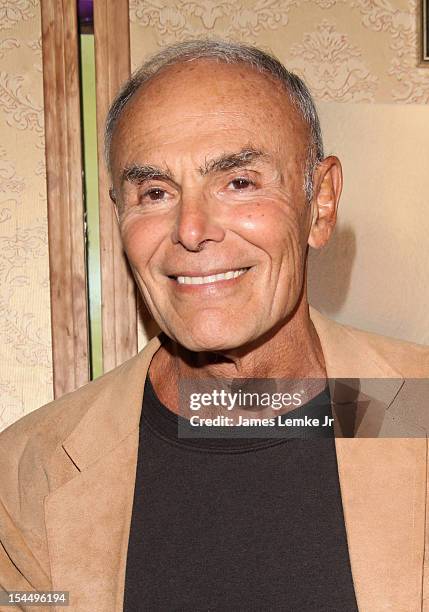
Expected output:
(362, 383)
(115, 409)
(114, 412)
(347, 352)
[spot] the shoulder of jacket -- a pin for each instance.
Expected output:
(48, 425)
(411, 360)
(31, 447)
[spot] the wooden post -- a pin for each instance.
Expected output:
(69, 304)
(112, 65)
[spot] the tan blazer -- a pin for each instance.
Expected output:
(68, 471)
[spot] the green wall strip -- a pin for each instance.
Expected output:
(91, 200)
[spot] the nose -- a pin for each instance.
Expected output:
(196, 223)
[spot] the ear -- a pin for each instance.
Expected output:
(328, 183)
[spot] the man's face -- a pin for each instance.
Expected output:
(208, 169)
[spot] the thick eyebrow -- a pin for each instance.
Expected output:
(139, 174)
(229, 161)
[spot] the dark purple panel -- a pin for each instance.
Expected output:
(85, 11)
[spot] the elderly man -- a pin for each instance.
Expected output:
(220, 185)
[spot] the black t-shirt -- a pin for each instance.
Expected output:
(230, 525)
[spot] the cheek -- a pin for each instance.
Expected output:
(275, 227)
(140, 238)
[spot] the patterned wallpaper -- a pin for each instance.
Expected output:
(25, 335)
(346, 50)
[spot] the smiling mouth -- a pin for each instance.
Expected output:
(211, 278)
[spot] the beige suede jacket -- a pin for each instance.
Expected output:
(67, 474)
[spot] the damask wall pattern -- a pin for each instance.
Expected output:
(25, 334)
(346, 50)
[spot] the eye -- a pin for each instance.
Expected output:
(155, 194)
(241, 183)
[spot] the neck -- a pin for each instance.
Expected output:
(292, 350)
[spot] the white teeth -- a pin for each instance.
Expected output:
(199, 280)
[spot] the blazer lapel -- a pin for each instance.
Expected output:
(88, 516)
(362, 384)
(87, 525)
(382, 479)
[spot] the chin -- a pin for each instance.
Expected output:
(205, 346)
(219, 338)
(198, 342)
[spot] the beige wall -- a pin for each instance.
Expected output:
(374, 273)
(360, 59)
(25, 335)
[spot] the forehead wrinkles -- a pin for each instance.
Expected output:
(205, 119)
(203, 131)
(194, 140)
(159, 117)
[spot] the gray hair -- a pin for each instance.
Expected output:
(229, 53)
